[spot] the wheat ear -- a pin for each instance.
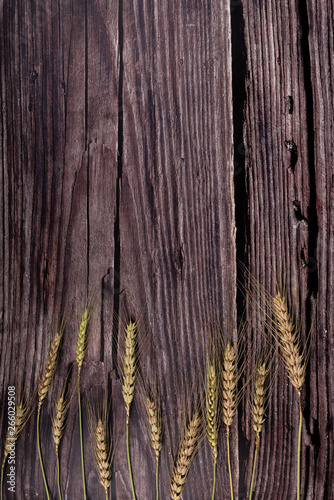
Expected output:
(212, 423)
(186, 454)
(50, 368)
(229, 396)
(43, 388)
(103, 453)
(82, 344)
(289, 339)
(258, 412)
(58, 427)
(129, 366)
(129, 371)
(22, 414)
(154, 421)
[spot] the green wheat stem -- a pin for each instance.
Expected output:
(129, 459)
(2, 473)
(157, 479)
(229, 462)
(58, 474)
(214, 478)
(299, 445)
(254, 466)
(81, 440)
(40, 453)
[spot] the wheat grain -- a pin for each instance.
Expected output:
(22, 414)
(103, 453)
(186, 455)
(59, 420)
(82, 339)
(50, 368)
(229, 385)
(258, 410)
(129, 366)
(212, 385)
(259, 399)
(289, 341)
(154, 421)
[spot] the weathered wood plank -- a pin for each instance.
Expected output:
(117, 182)
(320, 21)
(176, 213)
(59, 102)
(284, 183)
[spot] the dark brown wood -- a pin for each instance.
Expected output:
(144, 146)
(287, 143)
(176, 217)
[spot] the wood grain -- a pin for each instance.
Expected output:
(176, 216)
(284, 182)
(144, 146)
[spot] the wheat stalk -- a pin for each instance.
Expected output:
(21, 417)
(22, 414)
(154, 423)
(103, 454)
(58, 427)
(59, 422)
(229, 396)
(50, 368)
(82, 341)
(259, 399)
(294, 359)
(82, 344)
(289, 341)
(129, 366)
(129, 373)
(211, 407)
(212, 426)
(258, 412)
(186, 454)
(43, 388)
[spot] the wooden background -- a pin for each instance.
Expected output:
(145, 145)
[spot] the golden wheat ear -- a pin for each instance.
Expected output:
(258, 407)
(59, 420)
(60, 414)
(232, 368)
(284, 327)
(82, 340)
(44, 387)
(23, 410)
(152, 405)
(129, 361)
(188, 446)
(154, 424)
(212, 409)
(103, 444)
(50, 365)
(129, 356)
(288, 336)
(260, 397)
(82, 344)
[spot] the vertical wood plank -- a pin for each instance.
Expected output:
(117, 164)
(176, 214)
(319, 21)
(59, 102)
(282, 181)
